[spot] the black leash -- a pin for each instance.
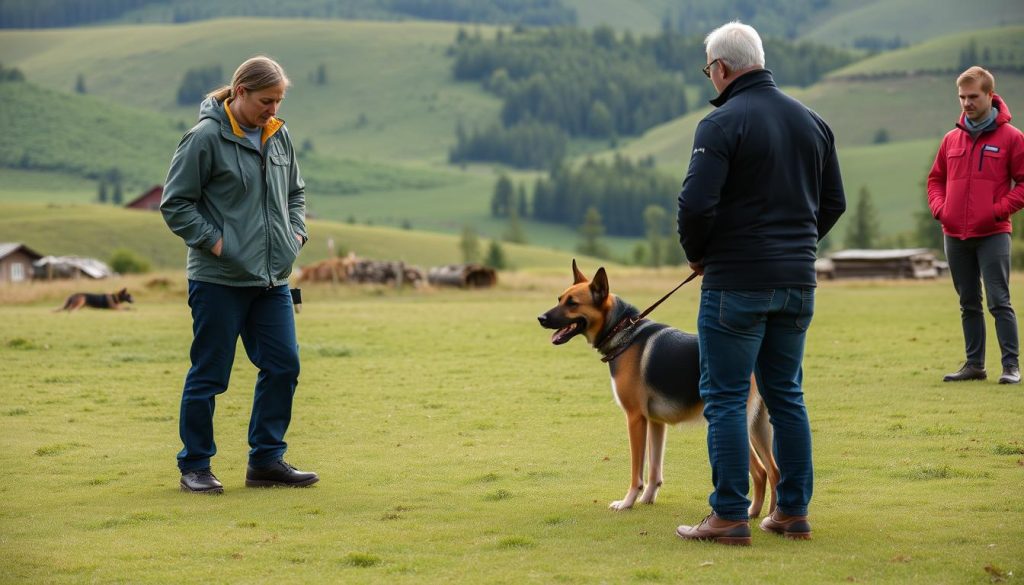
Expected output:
(628, 322)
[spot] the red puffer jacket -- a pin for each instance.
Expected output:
(969, 186)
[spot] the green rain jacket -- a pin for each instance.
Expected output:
(220, 186)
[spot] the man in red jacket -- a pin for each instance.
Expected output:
(975, 185)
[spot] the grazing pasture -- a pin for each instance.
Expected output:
(455, 444)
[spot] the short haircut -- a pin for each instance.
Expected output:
(737, 44)
(978, 74)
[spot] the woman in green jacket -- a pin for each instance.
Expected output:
(234, 194)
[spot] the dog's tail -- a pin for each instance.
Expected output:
(763, 470)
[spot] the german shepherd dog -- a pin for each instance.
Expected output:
(115, 300)
(655, 371)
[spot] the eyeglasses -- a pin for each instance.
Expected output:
(707, 69)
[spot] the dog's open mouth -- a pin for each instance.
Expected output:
(566, 333)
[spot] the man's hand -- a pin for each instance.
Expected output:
(697, 267)
(216, 249)
(299, 238)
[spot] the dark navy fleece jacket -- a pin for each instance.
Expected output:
(763, 187)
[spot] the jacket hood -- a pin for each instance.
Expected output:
(211, 108)
(1004, 116)
(756, 78)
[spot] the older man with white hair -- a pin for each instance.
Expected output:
(763, 187)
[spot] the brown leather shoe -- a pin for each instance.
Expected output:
(718, 530)
(795, 527)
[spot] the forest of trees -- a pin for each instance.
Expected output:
(528, 145)
(197, 82)
(57, 13)
(620, 191)
(772, 18)
(595, 84)
(589, 84)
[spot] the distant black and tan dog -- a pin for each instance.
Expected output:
(115, 300)
(655, 371)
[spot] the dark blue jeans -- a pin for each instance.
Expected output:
(761, 332)
(264, 318)
(972, 262)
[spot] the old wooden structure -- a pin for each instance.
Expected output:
(894, 263)
(16, 262)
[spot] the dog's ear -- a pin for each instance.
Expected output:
(576, 274)
(123, 290)
(599, 286)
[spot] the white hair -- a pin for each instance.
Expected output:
(737, 44)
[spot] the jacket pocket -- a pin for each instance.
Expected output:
(992, 166)
(956, 163)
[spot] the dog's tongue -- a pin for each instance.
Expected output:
(562, 335)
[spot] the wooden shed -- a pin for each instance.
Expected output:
(894, 263)
(16, 262)
(52, 267)
(148, 201)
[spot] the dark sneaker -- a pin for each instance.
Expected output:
(716, 529)
(201, 481)
(968, 372)
(1011, 375)
(795, 527)
(279, 473)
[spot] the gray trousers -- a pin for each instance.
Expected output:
(971, 262)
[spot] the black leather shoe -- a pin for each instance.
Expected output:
(968, 372)
(279, 473)
(201, 481)
(1011, 375)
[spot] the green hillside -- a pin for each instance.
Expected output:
(82, 136)
(994, 47)
(836, 22)
(44, 131)
(389, 94)
(912, 20)
(96, 230)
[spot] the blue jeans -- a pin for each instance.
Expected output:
(971, 262)
(264, 318)
(761, 332)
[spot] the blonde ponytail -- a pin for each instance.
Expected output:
(256, 73)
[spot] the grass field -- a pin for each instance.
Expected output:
(456, 445)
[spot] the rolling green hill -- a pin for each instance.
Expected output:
(838, 22)
(994, 47)
(96, 230)
(382, 125)
(82, 136)
(389, 94)
(912, 20)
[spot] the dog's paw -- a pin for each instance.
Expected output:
(620, 505)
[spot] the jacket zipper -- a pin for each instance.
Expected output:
(970, 178)
(266, 218)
